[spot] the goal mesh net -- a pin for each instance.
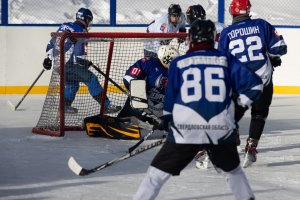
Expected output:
(112, 54)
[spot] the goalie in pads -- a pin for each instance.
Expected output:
(154, 72)
(146, 81)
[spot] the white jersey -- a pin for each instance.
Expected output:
(219, 27)
(163, 25)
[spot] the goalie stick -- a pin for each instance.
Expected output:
(80, 171)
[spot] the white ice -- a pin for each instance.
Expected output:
(34, 167)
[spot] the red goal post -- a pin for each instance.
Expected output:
(112, 54)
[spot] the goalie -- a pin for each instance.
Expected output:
(150, 92)
(154, 71)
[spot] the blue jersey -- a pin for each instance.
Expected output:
(198, 96)
(252, 41)
(155, 74)
(77, 51)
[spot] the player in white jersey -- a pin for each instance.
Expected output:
(199, 110)
(172, 22)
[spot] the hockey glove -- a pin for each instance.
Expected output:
(275, 61)
(163, 124)
(47, 63)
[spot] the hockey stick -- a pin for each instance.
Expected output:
(140, 142)
(80, 171)
(112, 81)
(15, 107)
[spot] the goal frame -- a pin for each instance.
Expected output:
(112, 36)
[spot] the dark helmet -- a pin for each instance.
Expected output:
(202, 31)
(84, 14)
(194, 12)
(174, 9)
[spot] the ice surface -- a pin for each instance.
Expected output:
(35, 167)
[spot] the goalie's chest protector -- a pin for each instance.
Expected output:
(156, 77)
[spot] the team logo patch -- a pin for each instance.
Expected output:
(163, 27)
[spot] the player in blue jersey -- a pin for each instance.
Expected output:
(257, 44)
(192, 13)
(76, 68)
(154, 71)
(199, 112)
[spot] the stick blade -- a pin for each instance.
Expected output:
(11, 105)
(74, 166)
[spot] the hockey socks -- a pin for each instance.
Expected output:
(151, 184)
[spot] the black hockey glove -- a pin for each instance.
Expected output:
(275, 61)
(163, 124)
(47, 63)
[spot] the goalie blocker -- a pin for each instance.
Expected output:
(111, 127)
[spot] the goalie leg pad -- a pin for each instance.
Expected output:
(111, 127)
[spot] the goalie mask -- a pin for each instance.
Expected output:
(166, 54)
(239, 7)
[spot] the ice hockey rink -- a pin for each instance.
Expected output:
(34, 167)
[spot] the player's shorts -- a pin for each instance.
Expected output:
(173, 158)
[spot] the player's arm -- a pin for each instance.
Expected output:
(136, 71)
(276, 44)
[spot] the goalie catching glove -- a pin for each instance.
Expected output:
(111, 127)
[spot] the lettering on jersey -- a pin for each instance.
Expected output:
(163, 27)
(135, 71)
(202, 60)
(202, 127)
(243, 31)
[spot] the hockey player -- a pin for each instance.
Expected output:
(197, 12)
(77, 66)
(172, 22)
(154, 71)
(193, 13)
(257, 44)
(200, 113)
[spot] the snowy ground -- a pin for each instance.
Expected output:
(35, 167)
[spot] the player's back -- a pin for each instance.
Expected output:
(251, 41)
(199, 91)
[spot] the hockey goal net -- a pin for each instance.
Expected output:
(112, 54)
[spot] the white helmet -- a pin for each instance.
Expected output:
(166, 54)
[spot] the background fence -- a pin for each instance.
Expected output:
(136, 12)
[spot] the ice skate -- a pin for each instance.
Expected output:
(250, 152)
(202, 160)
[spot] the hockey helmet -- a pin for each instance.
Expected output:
(174, 9)
(194, 12)
(202, 31)
(166, 54)
(85, 15)
(240, 7)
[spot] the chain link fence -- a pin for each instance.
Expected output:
(135, 12)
